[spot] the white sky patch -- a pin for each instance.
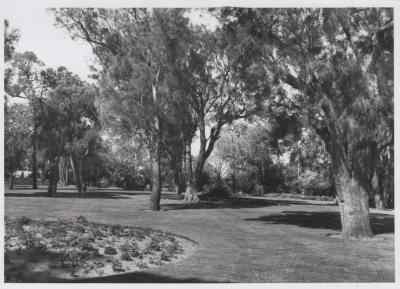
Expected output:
(52, 45)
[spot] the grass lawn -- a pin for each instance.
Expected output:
(241, 240)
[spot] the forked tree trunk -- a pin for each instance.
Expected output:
(53, 179)
(353, 204)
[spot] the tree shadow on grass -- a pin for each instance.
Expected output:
(88, 195)
(236, 203)
(380, 223)
(133, 277)
(144, 277)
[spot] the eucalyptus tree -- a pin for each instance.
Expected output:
(222, 86)
(17, 130)
(11, 37)
(25, 83)
(335, 67)
(66, 115)
(134, 49)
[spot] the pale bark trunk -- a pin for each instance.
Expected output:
(191, 188)
(34, 155)
(156, 156)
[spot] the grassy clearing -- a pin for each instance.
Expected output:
(242, 240)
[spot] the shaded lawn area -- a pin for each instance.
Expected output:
(380, 223)
(240, 240)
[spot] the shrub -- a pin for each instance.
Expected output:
(22, 221)
(117, 266)
(109, 250)
(82, 220)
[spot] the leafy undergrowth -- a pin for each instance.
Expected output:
(71, 249)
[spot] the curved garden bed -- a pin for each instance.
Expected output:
(73, 249)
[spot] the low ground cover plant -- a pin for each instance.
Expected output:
(80, 248)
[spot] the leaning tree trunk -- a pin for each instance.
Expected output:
(53, 179)
(353, 201)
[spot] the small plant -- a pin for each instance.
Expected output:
(82, 220)
(165, 256)
(117, 230)
(21, 221)
(126, 257)
(155, 261)
(173, 249)
(88, 267)
(154, 245)
(170, 237)
(97, 233)
(117, 266)
(142, 265)
(109, 250)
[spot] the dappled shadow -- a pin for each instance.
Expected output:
(88, 195)
(380, 223)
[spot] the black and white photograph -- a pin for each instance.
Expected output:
(218, 143)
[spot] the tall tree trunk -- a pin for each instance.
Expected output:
(66, 172)
(34, 154)
(52, 190)
(61, 171)
(82, 174)
(353, 202)
(156, 155)
(10, 180)
(234, 180)
(191, 188)
(201, 159)
(178, 176)
(75, 171)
